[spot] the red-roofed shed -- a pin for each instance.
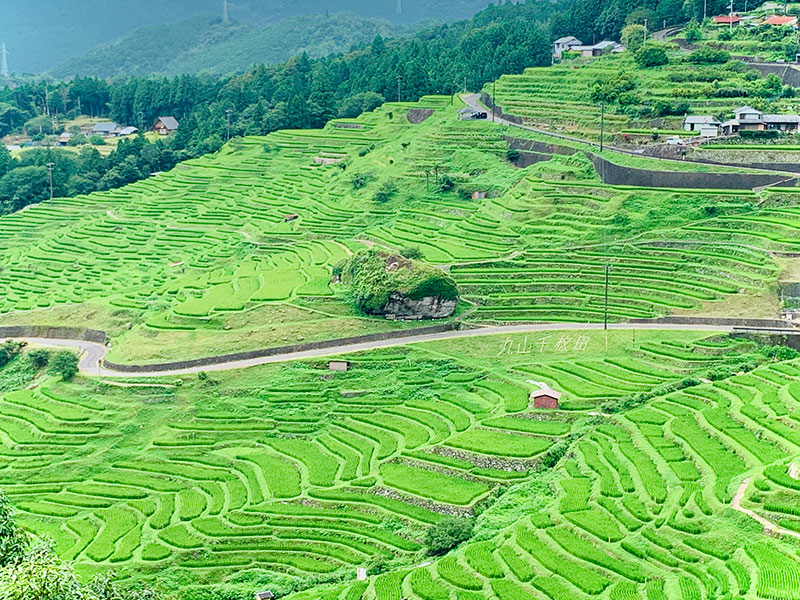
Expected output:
(780, 20)
(727, 19)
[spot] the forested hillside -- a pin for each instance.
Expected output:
(299, 93)
(205, 44)
(41, 33)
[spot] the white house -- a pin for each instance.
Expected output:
(564, 44)
(604, 47)
(706, 125)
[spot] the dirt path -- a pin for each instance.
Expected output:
(93, 354)
(768, 525)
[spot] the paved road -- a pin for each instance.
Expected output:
(768, 525)
(92, 354)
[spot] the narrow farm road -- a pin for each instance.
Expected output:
(92, 353)
(769, 526)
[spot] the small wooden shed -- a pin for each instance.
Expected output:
(290, 218)
(545, 398)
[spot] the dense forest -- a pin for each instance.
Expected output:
(206, 45)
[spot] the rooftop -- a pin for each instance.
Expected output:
(780, 20)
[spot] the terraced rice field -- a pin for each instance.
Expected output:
(298, 470)
(640, 509)
(235, 250)
(558, 98)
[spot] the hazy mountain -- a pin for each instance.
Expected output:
(204, 44)
(42, 33)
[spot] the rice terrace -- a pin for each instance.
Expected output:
(534, 339)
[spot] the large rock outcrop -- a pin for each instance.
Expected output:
(381, 283)
(429, 307)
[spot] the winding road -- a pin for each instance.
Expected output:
(92, 354)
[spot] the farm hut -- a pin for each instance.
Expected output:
(290, 218)
(339, 365)
(545, 397)
(265, 595)
(480, 195)
(64, 138)
(165, 125)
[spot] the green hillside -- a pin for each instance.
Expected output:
(205, 254)
(292, 476)
(204, 44)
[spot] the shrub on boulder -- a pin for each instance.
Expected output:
(385, 283)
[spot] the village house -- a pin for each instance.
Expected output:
(706, 125)
(781, 21)
(747, 118)
(564, 44)
(599, 49)
(104, 129)
(123, 131)
(727, 20)
(64, 138)
(165, 125)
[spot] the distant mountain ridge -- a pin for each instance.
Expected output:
(203, 44)
(42, 33)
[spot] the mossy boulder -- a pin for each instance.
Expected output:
(382, 283)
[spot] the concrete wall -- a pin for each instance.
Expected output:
(621, 175)
(721, 322)
(788, 73)
(215, 360)
(66, 333)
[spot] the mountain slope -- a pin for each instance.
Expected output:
(41, 33)
(205, 44)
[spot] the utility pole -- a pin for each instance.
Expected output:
(4, 62)
(399, 7)
(494, 98)
(225, 16)
(50, 172)
(141, 121)
(730, 17)
(605, 312)
(228, 123)
(602, 123)
(705, 9)
(644, 44)
(399, 82)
